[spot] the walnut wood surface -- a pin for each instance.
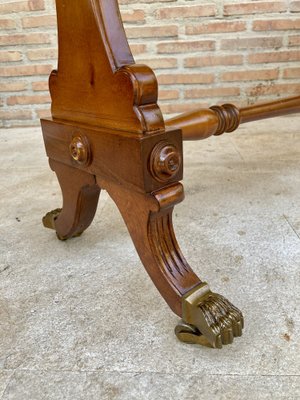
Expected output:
(106, 104)
(80, 199)
(108, 132)
(149, 220)
(120, 165)
(202, 123)
(270, 110)
(97, 81)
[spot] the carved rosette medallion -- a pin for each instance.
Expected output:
(165, 161)
(80, 149)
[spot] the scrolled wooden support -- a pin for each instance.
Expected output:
(144, 183)
(212, 318)
(107, 131)
(80, 199)
(97, 81)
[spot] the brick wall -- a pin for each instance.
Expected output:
(203, 51)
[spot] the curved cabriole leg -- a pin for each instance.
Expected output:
(80, 199)
(207, 318)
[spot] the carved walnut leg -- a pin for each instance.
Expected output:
(80, 198)
(207, 317)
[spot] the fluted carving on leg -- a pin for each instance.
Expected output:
(165, 246)
(149, 220)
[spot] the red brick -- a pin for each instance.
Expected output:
(158, 63)
(294, 40)
(168, 94)
(274, 57)
(213, 60)
(254, 7)
(40, 86)
(205, 42)
(26, 70)
(15, 115)
(138, 48)
(126, 2)
(40, 21)
(42, 54)
(181, 108)
(205, 10)
(189, 79)
(152, 31)
(212, 92)
(215, 27)
(7, 24)
(291, 73)
(18, 6)
(24, 100)
(276, 24)
(295, 6)
(251, 42)
(133, 16)
(182, 47)
(273, 89)
(30, 38)
(43, 113)
(250, 75)
(16, 86)
(8, 56)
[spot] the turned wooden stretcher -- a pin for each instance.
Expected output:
(107, 132)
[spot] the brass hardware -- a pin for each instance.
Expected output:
(50, 217)
(80, 150)
(165, 161)
(208, 317)
(49, 222)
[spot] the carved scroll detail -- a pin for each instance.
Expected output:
(97, 81)
(163, 243)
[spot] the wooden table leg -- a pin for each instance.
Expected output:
(106, 123)
(207, 318)
(80, 199)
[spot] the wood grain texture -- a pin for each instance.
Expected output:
(97, 81)
(107, 132)
(80, 199)
(148, 218)
(202, 123)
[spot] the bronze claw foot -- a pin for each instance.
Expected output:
(208, 318)
(50, 217)
(49, 222)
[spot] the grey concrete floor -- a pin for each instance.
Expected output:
(82, 320)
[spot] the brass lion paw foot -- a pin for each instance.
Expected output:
(208, 318)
